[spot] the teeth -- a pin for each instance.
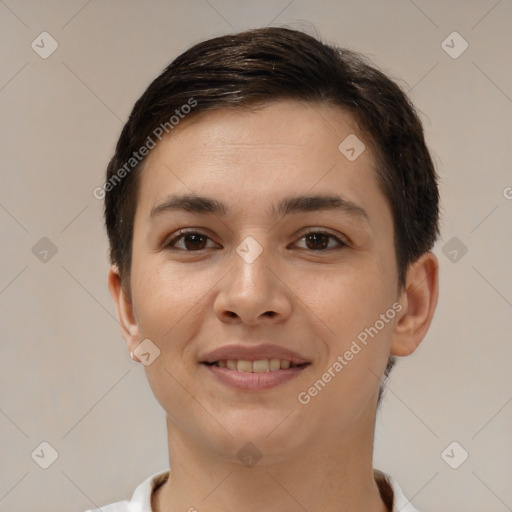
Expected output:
(274, 364)
(244, 366)
(260, 366)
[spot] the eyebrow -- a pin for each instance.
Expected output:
(204, 205)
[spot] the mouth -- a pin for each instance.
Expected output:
(254, 367)
(257, 366)
(257, 375)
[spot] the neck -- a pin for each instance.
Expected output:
(329, 475)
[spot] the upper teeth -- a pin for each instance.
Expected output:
(260, 366)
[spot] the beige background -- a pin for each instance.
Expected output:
(65, 375)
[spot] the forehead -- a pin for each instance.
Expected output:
(241, 156)
(284, 125)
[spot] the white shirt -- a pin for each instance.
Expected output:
(141, 498)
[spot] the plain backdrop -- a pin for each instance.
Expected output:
(65, 376)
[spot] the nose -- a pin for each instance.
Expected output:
(253, 293)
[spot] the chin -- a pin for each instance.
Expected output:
(273, 434)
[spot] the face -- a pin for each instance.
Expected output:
(256, 273)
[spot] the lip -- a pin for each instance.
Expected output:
(252, 353)
(248, 381)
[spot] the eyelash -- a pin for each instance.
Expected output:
(182, 234)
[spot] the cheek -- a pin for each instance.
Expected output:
(159, 280)
(169, 313)
(357, 353)
(349, 306)
(160, 299)
(345, 301)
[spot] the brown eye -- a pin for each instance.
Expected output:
(190, 241)
(319, 241)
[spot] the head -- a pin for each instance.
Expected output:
(249, 120)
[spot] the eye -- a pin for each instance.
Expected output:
(192, 241)
(319, 241)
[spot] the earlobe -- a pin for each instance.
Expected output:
(420, 301)
(123, 304)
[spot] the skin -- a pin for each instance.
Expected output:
(316, 456)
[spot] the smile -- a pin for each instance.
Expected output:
(258, 375)
(259, 366)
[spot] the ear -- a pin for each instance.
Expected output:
(129, 327)
(419, 301)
